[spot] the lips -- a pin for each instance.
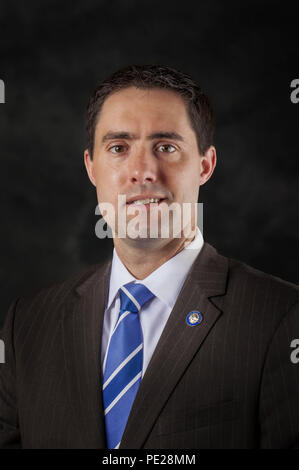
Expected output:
(145, 199)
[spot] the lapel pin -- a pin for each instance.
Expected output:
(194, 318)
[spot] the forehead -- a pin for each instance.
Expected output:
(137, 109)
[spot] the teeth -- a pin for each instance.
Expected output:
(146, 201)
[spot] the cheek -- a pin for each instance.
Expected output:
(188, 186)
(183, 182)
(109, 182)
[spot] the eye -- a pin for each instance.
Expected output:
(166, 148)
(116, 149)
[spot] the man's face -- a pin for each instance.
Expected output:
(145, 148)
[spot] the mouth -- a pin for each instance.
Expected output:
(137, 201)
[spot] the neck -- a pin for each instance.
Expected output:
(142, 257)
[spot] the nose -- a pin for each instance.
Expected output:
(143, 166)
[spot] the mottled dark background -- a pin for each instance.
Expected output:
(53, 53)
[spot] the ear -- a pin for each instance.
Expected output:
(89, 165)
(208, 163)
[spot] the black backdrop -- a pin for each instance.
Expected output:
(53, 53)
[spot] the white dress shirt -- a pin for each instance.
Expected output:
(165, 283)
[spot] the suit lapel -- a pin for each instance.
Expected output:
(82, 333)
(206, 280)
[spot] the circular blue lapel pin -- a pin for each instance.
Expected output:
(194, 318)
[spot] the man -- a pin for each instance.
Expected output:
(168, 344)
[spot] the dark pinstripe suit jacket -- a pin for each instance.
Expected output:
(226, 383)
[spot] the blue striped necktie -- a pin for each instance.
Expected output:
(123, 369)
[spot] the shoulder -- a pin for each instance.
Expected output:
(237, 275)
(256, 280)
(261, 298)
(259, 305)
(52, 298)
(248, 294)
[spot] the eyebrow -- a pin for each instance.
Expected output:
(128, 135)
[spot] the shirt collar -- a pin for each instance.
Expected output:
(158, 282)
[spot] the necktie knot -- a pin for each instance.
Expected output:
(134, 296)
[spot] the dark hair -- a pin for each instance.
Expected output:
(155, 76)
